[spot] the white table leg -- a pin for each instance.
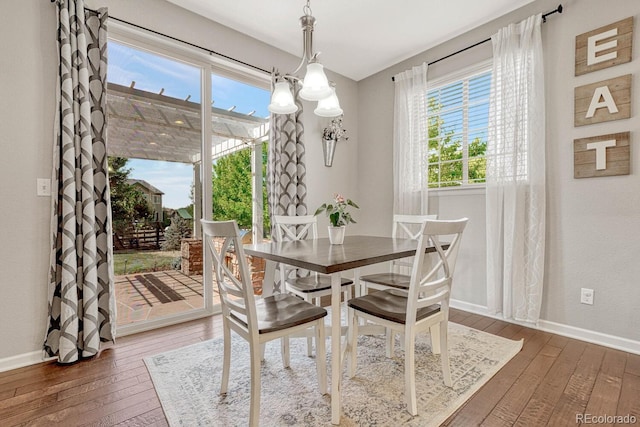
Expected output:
(336, 353)
(356, 282)
(269, 278)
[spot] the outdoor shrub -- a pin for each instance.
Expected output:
(179, 229)
(176, 263)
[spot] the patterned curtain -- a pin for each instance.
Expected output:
(286, 168)
(516, 197)
(81, 298)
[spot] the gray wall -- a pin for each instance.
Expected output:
(27, 100)
(593, 224)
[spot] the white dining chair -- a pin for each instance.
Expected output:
(398, 276)
(314, 286)
(257, 320)
(424, 306)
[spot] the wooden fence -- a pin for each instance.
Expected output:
(147, 238)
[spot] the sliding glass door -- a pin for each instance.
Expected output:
(155, 140)
(170, 108)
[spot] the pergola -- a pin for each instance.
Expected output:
(152, 126)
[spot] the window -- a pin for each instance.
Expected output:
(159, 91)
(458, 115)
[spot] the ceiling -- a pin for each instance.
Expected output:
(357, 38)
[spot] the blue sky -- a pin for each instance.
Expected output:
(152, 73)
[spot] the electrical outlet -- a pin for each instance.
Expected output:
(44, 187)
(586, 296)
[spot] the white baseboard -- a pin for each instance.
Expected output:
(594, 337)
(20, 360)
(599, 338)
(471, 308)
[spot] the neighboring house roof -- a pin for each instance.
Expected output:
(145, 184)
(184, 213)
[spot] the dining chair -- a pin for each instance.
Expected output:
(257, 320)
(424, 306)
(397, 276)
(315, 286)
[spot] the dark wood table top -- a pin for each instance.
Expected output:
(321, 256)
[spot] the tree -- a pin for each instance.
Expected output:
(232, 188)
(446, 156)
(128, 204)
(180, 228)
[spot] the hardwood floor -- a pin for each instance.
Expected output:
(551, 380)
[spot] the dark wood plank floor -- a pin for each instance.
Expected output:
(551, 380)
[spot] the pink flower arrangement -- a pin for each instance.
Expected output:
(337, 210)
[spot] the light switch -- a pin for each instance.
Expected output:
(44, 187)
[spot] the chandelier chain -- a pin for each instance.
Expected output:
(307, 8)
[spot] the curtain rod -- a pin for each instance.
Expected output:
(544, 19)
(209, 51)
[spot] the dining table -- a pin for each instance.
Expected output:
(320, 256)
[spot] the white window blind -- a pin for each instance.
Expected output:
(458, 115)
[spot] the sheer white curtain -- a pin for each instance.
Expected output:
(516, 173)
(410, 134)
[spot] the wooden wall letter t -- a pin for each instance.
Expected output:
(602, 155)
(601, 152)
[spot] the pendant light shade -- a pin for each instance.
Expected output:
(329, 106)
(315, 85)
(282, 100)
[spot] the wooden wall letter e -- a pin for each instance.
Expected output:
(604, 47)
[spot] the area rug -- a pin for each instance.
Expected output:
(187, 381)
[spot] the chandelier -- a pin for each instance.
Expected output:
(315, 85)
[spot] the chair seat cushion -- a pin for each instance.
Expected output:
(393, 280)
(282, 311)
(389, 304)
(314, 283)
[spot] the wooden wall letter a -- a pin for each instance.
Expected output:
(607, 101)
(603, 101)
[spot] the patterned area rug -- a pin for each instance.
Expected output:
(187, 381)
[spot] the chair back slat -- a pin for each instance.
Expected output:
(235, 288)
(432, 285)
(291, 228)
(409, 226)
